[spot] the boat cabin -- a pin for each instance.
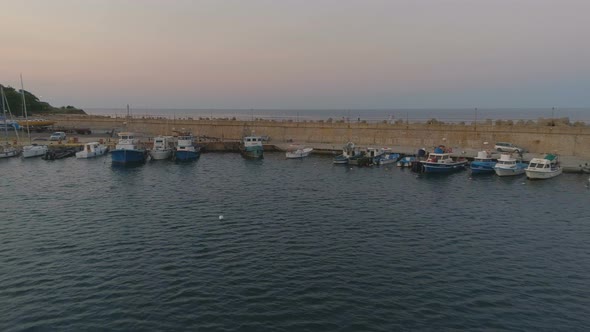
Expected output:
(252, 141)
(483, 156)
(547, 163)
(439, 158)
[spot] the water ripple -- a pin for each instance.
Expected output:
(303, 246)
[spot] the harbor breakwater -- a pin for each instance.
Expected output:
(563, 139)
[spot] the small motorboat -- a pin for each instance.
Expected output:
(296, 152)
(509, 166)
(91, 150)
(544, 168)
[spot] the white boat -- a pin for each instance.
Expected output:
(544, 168)
(163, 147)
(509, 166)
(296, 152)
(32, 150)
(91, 150)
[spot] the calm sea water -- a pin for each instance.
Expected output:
(412, 115)
(303, 246)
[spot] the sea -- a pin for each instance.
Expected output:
(228, 244)
(450, 115)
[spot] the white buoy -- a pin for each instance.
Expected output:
(220, 217)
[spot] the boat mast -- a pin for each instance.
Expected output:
(22, 90)
(4, 113)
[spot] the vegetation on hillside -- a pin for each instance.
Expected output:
(34, 105)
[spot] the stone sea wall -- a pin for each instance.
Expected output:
(535, 137)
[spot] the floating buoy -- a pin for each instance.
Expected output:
(220, 217)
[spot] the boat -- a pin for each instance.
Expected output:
(6, 150)
(544, 168)
(406, 161)
(440, 161)
(297, 152)
(127, 150)
(31, 150)
(509, 166)
(91, 150)
(374, 154)
(585, 168)
(483, 163)
(59, 153)
(361, 159)
(162, 148)
(185, 148)
(349, 150)
(387, 157)
(251, 147)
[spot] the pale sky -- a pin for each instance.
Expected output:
(303, 54)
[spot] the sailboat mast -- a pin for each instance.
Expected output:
(22, 90)
(4, 113)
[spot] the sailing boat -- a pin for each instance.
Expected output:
(6, 150)
(127, 150)
(31, 150)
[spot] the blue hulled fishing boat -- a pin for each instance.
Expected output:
(440, 161)
(185, 148)
(483, 163)
(127, 150)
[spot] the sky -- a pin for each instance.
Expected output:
(299, 54)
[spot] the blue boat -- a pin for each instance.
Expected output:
(127, 151)
(387, 157)
(440, 161)
(483, 163)
(406, 161)
(185, 148)
(348, 151)
(251, 147)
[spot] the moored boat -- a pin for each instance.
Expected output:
(91, 150)
(251, 147)
(509, 166)
(483, 163)
(297, 152)
(31, 150)
(185, 148)
(6, 150)
(544, 168)
(440, 161)
(59, 153)
(162, 148)
(127, 150)
(349, 150)
(387, 157)
(406, 161)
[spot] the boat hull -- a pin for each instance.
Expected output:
(90, 154)
(541, 175)
(34, 151)
(340, 160)
(8, 153)
(388, 158)
(298, 154)
(161, 154)
(482, 168)
(443, 168)
(252, 152)
(187, 155)
(513, 171)
(125, 156)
